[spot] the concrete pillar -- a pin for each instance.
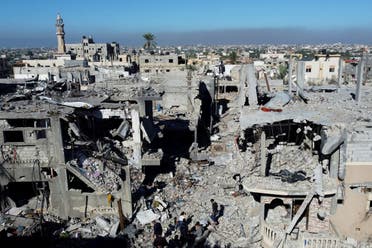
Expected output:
(196, 131)
(252, 86)
(55, 141)
(80, 77)
(334, 164)
(263, 153)
(190, 106)
(142, 108)
(242, 83)
(290, 68)
(136, 138)
(333, 205)
(359, 79)
(60, 201)
(343, 158)
(300, 75)
(262, 216)
(126, 193)
(340, 71)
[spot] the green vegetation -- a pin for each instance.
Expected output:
(306, 54)
(191, 54)
(255, 54)
(191, 67)
(150, 41)
(233, 57)
(282, 71)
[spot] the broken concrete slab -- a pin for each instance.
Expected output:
(146, 217)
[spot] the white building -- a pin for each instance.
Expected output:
(96, 52)
(322, 69)
(272, 56)
(161, 63)
(45, 69)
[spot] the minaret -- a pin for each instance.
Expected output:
(60, 35)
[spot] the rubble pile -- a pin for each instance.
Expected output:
(136, 177)
(101, 176)
(293, 158)
(26, 223)
(190, 188)
(106, 226)
(190, 191)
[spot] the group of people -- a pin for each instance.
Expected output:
(185, 236)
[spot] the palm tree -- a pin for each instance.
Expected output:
(150, 41)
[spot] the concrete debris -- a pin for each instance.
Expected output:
(94, 170)
(146, 217)
(277, 102)
(333, 137)
(215, 137)
(15, 211)
(103, 224)
(73, 227)
(122, 130)
(67, 104)
(318, 178)
(149, 130)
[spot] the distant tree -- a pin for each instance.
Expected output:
(282, 71)
(255, 54)
(233, 57)
(191, 55)
(29, 53)
(150, 41)
(191, 67)
(306, 54)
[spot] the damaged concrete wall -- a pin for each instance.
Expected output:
(248, 85)
(352, 219)
(44, 144)
(319, 215)
(354, 208)
(23, 146)
(177, 92)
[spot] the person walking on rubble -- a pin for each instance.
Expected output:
(215, 212)
(200, 235)
(182, 224)
(181, 219)
(160, 242)
(158, 229)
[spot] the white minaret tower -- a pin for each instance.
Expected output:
(60, 35)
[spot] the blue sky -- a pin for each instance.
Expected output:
(31, 22)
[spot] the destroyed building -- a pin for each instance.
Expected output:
(78, 150)
(350, 71)
(306, 162)
(56, 69)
